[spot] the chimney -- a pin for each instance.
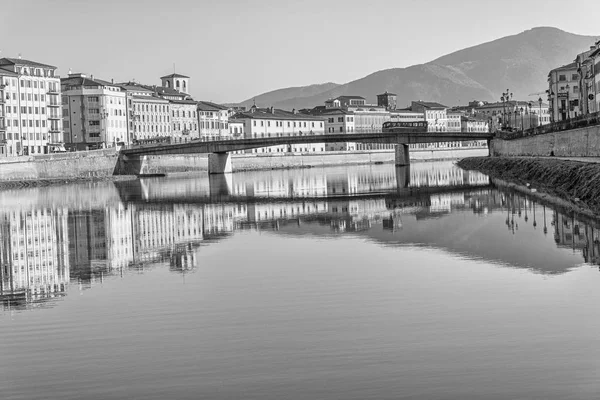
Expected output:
(272, 110)
(92, 77)
(112, 80)
(294, 111)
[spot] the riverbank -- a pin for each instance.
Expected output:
(97, 165)
(576, 183)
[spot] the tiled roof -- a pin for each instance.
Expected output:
(150, 98)
(387, 94)
(322, 110)
(572, 65)
(132, 86)
(209, 106)
(265, 113)
(174, 76)
(85, 81)
(22, 61)
(5, 72)
(430, 104)
(346, 98)
(184, 102)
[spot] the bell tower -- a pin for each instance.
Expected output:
(177, 81)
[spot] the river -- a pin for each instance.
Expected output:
(367, 282)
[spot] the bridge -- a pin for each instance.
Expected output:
(219, 160)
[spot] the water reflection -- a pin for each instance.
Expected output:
(80, 234)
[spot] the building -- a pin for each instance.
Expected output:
(179, 82)
(563, 92)
(588, 68)
(387, 100)
(213, 121)
(94, 113)
(406, 115)
(435, 115)
(345, 101)
(474, 124)
(31, 99)
(502, 114)
(271, 122)
(454, 120)
(184, 118)
(149, 115)
(337, 120)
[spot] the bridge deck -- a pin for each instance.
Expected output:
(225, 146)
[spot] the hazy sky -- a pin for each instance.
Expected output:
(235, 49)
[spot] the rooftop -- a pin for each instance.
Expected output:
(572, 65)
(6, 72)
(429, 104)
(22, 61)
(174, 76)
(210, 106)
(274, 113)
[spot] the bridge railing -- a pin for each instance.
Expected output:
(573, 123)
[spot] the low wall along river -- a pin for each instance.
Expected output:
(102, 163)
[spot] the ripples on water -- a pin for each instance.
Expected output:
(340, 283)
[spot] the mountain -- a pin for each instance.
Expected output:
(289, 94)
(519, 62)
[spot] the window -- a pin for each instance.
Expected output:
(574, 77)
(562, 78)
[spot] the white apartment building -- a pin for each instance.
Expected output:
(184, 118)
(271, 122)
(31, 102)
(337, 120)
(563, 92)
(213, 120)
(435, 115)
(149, 115)
(94, 113)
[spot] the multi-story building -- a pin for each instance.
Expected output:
(589, 71)
(563, 92)
(149, 115)
(345, 101)
(435, 115)
(271, 122)
(387, 100)
(5, 79)
(474, 124)
(213, 120)
(94, 113)
(337, 120)
(454, 120)
(184, 118)
(528, 114)
(32, 107)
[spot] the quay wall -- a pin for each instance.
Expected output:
(581, 142)
(99, 164)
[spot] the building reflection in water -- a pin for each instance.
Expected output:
(43, 249)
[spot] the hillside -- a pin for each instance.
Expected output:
(519, 62)
(289, 94)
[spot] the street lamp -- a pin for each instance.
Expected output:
(516, 112)
(530, 120)
(540, 116)
(522, 115)
(568, 105)
(506, 98)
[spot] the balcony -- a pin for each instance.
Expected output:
(54, 104)
(52, 91)
(54, 130)
(54, 116)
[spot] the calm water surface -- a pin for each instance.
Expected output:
(342, 283)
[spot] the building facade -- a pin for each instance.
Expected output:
(271, 122)
(213, 121)
(563, 92)
(149, 115)
(435, 115)
(94, 113)
(32, 107)
(345, 101)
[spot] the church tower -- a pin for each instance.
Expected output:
(177, 82)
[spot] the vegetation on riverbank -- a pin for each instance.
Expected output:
(576, 181)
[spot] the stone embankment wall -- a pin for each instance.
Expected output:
(571, 180)
(78, 165)
(582, 142)
(103, 163)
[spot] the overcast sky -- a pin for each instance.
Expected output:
(235, 49)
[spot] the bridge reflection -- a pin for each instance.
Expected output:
(48, 244)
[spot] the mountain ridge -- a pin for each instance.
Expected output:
(520, 62)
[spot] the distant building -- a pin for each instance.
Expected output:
(406, 115)
(435, 115)
(31, 119)
(271, 122)
(474, 124)
(454, 120)
(179, 82)
(94, 113)
(149, 115)
(563, 90)
(499, 114)
(337, 120)
(213, 120)
(387, 100)
(345, 101)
